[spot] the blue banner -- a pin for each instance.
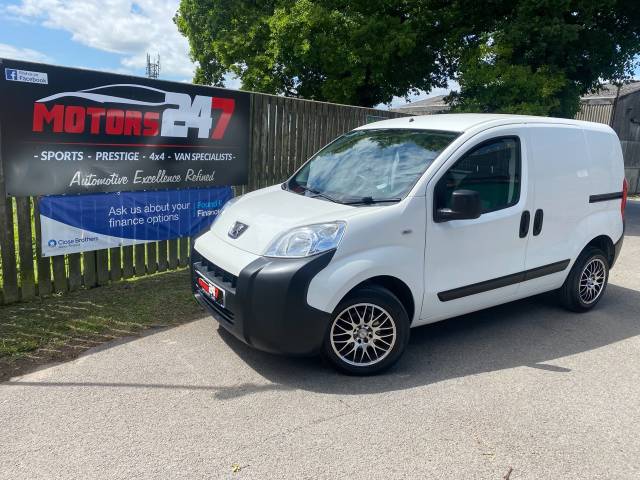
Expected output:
(80, 223)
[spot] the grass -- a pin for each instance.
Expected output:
(62, 327)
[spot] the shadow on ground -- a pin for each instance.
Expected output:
(534, 332)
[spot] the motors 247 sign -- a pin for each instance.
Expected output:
(65, 130)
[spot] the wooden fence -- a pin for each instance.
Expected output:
(600, 113)
(284, 133)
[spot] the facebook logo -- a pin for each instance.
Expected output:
(16, 75)
(11, 74)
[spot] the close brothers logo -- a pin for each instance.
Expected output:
(70, 242)
(161, 113)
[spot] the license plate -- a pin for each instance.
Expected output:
(213, 291)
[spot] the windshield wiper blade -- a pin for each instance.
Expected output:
(371, 200)
(319, 194)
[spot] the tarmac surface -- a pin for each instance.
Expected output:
(525, 388)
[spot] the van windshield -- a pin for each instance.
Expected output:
(370, 166)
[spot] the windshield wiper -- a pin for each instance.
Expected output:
(318, 194)
(371, 200)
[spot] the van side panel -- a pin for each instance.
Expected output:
(571, 164)
(560, 166)
(607, 171)
(382, 241)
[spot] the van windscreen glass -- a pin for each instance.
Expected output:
(370, 166)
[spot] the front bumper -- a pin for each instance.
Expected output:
(266, 306)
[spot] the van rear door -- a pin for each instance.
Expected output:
(560, 168)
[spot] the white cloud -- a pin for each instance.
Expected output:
(16, 53)
(126, 27)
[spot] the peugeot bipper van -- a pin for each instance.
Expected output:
(408, 221)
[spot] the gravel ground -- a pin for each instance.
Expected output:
(524, 388)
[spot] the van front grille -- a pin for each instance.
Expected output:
(226, 279)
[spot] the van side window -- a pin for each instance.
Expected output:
(492, 169)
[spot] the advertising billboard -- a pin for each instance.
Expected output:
(79, 223)
(66, 131)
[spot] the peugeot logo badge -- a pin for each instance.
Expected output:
(237, 229)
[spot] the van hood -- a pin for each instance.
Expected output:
(271, 211)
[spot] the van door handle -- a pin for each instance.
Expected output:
(537, 222)
(524, 223)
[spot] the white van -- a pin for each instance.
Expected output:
(412, 220)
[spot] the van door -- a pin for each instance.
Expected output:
(472, 264)
(560, 167)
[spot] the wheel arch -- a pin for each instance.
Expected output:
(604, 243)
(396, 286)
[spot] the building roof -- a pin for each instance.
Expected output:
(438, 100)
(427, 105)
(609, 91)
(462, 122)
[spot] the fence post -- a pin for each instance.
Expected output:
(44, 263)
(7, 242)
(25, 248)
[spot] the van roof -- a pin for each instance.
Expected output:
(461, 122)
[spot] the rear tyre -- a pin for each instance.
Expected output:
(586, 282)
(368, 332)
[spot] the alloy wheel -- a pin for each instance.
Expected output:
(363, 334)
(592, 280)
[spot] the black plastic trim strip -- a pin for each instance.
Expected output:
(604, 197)
(501, 282)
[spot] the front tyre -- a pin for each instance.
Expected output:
(368, 332)
(586, 282)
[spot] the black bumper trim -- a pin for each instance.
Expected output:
(268, 307)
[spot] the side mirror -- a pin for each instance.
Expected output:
(465, 205)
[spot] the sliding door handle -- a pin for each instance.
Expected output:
(524, 223)
(537, 222)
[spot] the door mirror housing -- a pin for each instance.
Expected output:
(465, 205)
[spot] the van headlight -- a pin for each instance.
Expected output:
(306, 241)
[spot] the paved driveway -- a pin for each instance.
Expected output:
(525, 386)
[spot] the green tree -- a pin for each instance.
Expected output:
(539, 56)
(516, 56)
(360, 52)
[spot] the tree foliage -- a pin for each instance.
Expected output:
(358, 51)
(517, 56)
(538, 56)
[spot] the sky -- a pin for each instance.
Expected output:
(107, 35)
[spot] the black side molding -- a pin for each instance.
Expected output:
(603, 197)
(503, 281)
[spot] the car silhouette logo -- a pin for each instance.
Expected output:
(237, 229)
(105, 94)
